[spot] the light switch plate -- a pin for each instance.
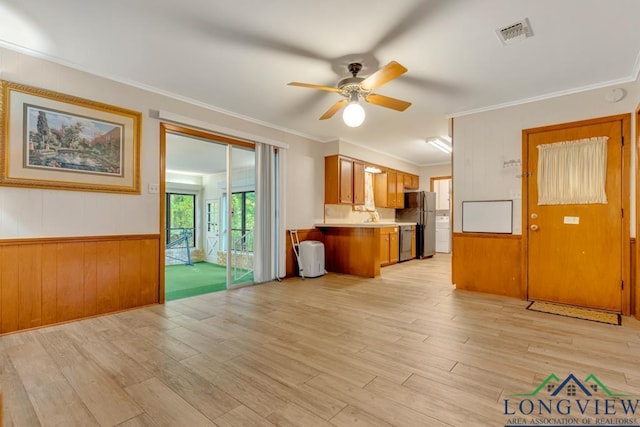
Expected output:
(154, 188)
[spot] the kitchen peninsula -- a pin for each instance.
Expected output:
(361, 248)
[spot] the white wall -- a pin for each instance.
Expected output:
(426, 172)
(53, 213)
(483, 141)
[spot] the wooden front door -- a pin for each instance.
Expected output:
(575, 251)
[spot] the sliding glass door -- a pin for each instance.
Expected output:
(242, 214)
(208, 213)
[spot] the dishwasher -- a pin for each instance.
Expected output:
(405, 242)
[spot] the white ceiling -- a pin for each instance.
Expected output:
(238, 56)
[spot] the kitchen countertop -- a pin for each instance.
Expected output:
(364, 225)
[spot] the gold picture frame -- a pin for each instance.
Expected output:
(57, 141)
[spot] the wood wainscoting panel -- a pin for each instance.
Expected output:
(291, 261)
(90, 279)
(70, 281)
(130, 286)
(490, 263)
(108, 277)
(149, 271)
(47, 281)
(29, 290)
(9, 268)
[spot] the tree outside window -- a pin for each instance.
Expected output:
(181, 217)
(243, 219)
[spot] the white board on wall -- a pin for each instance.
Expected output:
(487, 216)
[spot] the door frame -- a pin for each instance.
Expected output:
(626, 200)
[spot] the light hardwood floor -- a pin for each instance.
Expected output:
(404, 349)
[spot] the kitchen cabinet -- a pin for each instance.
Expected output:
(389, 189)
(411, 182)
(345, 177)
(392, 188)
(343, 181)
(389, 246)
(358, 183)
(381, 190)
(384, 248)
(394, 247)
(399, 191)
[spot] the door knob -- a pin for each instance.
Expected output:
(534, 227)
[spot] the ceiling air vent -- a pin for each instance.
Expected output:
(514, 32)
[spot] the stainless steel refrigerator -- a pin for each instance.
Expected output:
(420, 207)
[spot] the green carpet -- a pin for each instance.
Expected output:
(182, 281)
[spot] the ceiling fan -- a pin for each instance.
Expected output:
(353, 88)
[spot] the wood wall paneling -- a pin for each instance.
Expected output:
(47, 281)
(129, 283)
(107, 278)
(488, 263)
(90, 279)
(149, 271)
(70, 281)
(9, 289)
(30, 292)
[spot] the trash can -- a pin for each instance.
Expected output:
(312, 258)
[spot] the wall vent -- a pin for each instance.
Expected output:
(517, 31)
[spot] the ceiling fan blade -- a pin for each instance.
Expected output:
(383, 75)
(310, 86)
(334, 109)
(388, 102)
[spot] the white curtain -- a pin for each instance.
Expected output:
(572, 172)
(369, 203)
(268, 222)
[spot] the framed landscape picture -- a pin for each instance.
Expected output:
(52, 140)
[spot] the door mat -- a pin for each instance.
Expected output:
(576, 312)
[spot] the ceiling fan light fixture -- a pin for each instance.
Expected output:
(353, 114)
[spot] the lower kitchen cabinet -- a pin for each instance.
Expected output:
(389, 246)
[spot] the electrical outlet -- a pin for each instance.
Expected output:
(154, 188)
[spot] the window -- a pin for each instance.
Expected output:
(243, 220)
(181, 219)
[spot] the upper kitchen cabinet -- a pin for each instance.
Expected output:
(399, 191)
(343, 181)
(411, 182)
(389, 189)
(358, 183)
(381, 190)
